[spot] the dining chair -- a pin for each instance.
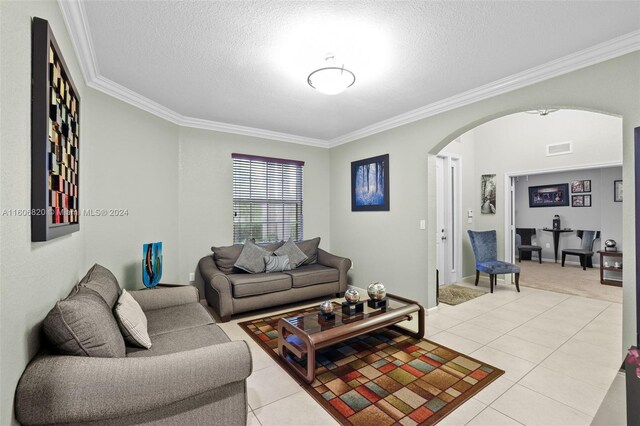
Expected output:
(485, 251)
(525, 236)
(585, 252)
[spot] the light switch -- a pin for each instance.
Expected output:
(423, 224)
(192, 276)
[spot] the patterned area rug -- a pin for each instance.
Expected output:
(385, 377)
(455, 294)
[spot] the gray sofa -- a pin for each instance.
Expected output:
(231, 291)
(193, 373)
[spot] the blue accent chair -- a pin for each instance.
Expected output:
(485, 250)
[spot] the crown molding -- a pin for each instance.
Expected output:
(75, 19)
(599, 53)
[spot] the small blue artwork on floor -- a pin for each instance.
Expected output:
(151, 264)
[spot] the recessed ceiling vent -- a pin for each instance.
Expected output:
(560, 148)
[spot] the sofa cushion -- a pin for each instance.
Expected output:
(180, 341)
(309, 248)
(252, 258)
(103, 282)
(276, 263)
(226, 257)
(244, 285)
(313, 274)
(176, 318)
(296, 256)
(84, 325)
(132, 321)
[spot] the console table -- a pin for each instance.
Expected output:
(556, 239)
(618, 258)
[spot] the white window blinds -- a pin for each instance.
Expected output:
(267, 198)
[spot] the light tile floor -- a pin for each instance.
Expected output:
(560, 354)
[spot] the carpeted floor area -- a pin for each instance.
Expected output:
(384, 377)
(569, 280)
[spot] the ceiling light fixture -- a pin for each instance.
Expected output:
(543, 112)
(331, 80)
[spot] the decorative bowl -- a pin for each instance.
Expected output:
(610, 243)
(326, 307)
(351, 295)
(376, 291)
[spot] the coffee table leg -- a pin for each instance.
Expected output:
(311, 363)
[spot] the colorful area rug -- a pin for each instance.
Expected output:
(456, 294)
(385, 377)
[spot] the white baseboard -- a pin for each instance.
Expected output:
(431, 310)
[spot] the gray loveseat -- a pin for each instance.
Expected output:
(192, 374)
(230, 290)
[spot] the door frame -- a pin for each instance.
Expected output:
(455, 222)
(509, 229)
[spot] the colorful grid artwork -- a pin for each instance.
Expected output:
(384, 377)
(64, 130)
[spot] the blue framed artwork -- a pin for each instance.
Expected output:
(151, 264)
(549, 195)
(370, 184)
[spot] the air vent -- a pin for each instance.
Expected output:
(561, 148)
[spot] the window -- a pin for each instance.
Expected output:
(267, 198)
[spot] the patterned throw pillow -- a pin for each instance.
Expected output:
(296, 256)
(277, 263)
(252, 258)
(132, 321)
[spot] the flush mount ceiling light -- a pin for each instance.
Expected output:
(331, 79)
(543, 112)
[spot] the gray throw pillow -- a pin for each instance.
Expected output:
(277, 263)
(252, 258)
(103, 282)
(310, 249)
(84, 325)
(226, 257)
(296, 256)
(132, 321)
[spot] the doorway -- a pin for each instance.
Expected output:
(448, 237)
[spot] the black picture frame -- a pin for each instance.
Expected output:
(617, 191)
(55, 136)
(581, 200)
(555, 195)
(580, 186)
(370, 184)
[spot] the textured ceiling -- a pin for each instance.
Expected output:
(246, 63)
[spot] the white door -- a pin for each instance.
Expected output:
(448, 237)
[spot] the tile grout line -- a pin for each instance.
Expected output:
(489, 406)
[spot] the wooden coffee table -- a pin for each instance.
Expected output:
(301, 336)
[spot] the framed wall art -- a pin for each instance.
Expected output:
(578, 186)
(549, 195)
(370, 184)
(55, 139)
(581, 200)
(617, 191)
(488, 194)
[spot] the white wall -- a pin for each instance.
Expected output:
(32, 275)
(603, 216)
(205, 196)
(388, 246)
(129, 161)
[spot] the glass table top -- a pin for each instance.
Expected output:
(313, 323)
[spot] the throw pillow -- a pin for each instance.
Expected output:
(226, 257)
(132, 321)
(296, 256)
(84, 325)
(252, 258)
(103, 282)
(310, 249)
(277, 263)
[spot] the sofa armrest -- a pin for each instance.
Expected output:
(342, 264)
(163, 297)
(61, 389)
(217, 288)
